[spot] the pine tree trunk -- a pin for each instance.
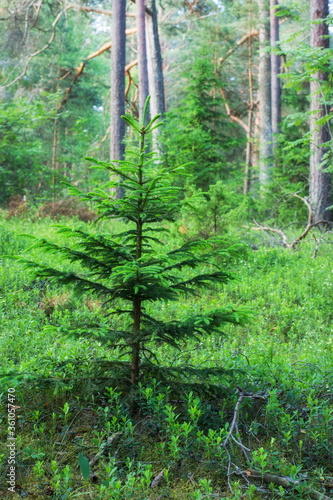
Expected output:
(54, 157)
(250, 121)
(142, 54)
(276, 69)
(118, 62)
(155, 65)
(320, 182)
(264, 94)
(155, 72)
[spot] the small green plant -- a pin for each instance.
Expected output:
(132, 269)
(62, 480)
(261, 460)
(38, 468)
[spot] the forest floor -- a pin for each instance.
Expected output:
(263, 431)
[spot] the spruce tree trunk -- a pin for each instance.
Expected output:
(264, 94)
(137, 313)
(320, 182)
(275, 71)
(142, 54)
(135, 362)
(118, 62)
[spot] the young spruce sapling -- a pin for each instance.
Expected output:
(130, 269)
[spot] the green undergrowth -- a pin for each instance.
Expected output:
(172, 434)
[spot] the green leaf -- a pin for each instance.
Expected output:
(84, 466)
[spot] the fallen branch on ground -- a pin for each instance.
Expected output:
(234, 428)
(285, 482)
(98, 455)
(310, 224)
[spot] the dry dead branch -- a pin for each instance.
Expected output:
(156, 481)
(267, 477)
(234, 428)
(285, 482)
(232, 117)
(292, 245)
(129, 76)
(98, 52)
(98, 455)
(238, 44)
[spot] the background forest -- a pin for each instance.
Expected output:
(166, 279)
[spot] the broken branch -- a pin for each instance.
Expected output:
(80, 69)
(109, 441)
(238, 44)
(310, 224)
(286, 483)
(232, 117)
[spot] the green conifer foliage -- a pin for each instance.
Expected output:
(131, 269)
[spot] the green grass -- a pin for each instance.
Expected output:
(283, 354)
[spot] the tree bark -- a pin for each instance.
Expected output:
(118, 62)
(137, 312)
(155, 65)
(275, 71)
(250, 118)
(142, 55)
(264, 94)
(155, 73)
(320, 181)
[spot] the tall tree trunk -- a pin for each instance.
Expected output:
(275, 71)
(54, 157)
(250, 118)
(265, 113)
(142, 54)
(155, 71)
(155, 63)
(118, 62)
(320, 182)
